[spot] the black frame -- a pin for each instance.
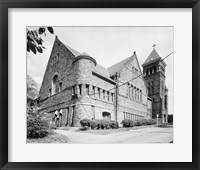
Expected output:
(6, 4)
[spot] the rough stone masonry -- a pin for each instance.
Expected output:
(76, 84)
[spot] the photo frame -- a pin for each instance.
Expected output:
(4, 86)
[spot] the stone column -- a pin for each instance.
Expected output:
(96, 92)
(70, 114)
(101, 94)
(84, 90)
(106, 96)
(67, 116)
(77, 90)
(63, 117)
(90, 90)
(110, 97)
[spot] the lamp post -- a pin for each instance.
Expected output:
(157, 119)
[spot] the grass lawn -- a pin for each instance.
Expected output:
(51, 138)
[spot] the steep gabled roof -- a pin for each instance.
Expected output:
(74, 52)
(101, 70)
(153, 57)
(118, 66)
(98, 69)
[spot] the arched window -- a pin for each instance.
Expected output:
(127, 94)
(141, 96)
(135, 93)
(129, 91)
(55, 85)
(132, 92)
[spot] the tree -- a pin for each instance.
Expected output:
(34, 39)
(32, 91)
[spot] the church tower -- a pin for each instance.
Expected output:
(154, 75)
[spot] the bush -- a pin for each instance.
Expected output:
(37, 127)
(153, 121)
(85, 122)
(99, 123)
(127, 123)
(141, 122)
(114, 125)
(102, 123)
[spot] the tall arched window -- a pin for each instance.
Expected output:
(132, 92)
(135, 93)
(55, 85)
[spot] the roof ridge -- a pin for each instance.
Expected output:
(73, 51)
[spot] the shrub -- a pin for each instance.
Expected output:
(127, 123)
(114, 125)
(102, 123)
(141, 122)
(85, 122)
(153, 121)
(37, 127)
(99, 123)
(83, 128)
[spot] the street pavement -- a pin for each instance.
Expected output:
(139, 136)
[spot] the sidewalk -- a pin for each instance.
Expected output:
(144, 135)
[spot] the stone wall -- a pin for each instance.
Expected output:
(84, 94)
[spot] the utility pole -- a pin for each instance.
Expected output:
(116, 96)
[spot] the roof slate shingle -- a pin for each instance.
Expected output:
(74, 52)
(110, 71)
(154, 56)
(98, 69)
(118, 66)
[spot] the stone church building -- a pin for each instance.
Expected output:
(76, 84)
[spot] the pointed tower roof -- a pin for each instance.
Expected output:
(153, 57)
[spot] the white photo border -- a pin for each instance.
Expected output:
(180, 151)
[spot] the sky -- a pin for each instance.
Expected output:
(109, 45)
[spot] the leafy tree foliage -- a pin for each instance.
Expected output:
(34, 39)
(32, 91)
(37, 125)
